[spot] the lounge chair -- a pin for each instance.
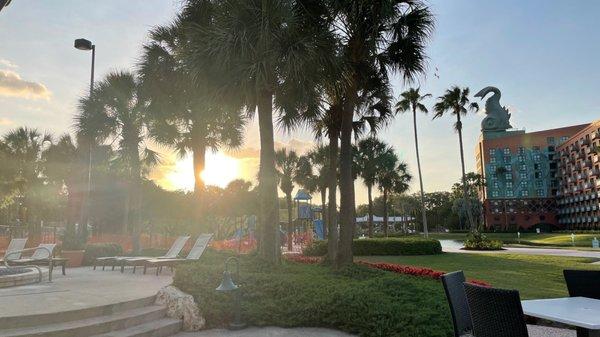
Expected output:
(42, 254)
(15, 247)
(172, 253)
(194, 254)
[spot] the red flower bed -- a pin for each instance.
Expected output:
(395, 268)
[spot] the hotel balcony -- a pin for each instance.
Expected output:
(596, 135)
(584, 141)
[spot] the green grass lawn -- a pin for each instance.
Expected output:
(546, 239)
(533, 276)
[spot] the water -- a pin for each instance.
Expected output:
(450, 245)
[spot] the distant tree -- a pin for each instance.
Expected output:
(411, 100)
(287, 166)
(456, 102)
(392, 177)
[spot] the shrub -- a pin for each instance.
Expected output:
(389, 246)
(478, 241)
(95, 250)
(357, 299)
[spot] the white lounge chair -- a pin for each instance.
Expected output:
(172, 253)
(194, 254)
(14, 249)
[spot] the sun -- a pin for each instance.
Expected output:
(220, 170)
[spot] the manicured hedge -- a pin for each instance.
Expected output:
(358, 299)
(389, 246)
(95, 250)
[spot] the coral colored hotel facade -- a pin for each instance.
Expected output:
(548, 179)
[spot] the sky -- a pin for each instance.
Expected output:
(542, 55)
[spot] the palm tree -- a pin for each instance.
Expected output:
(368, 161)
(375, 37)
(392, 176)
(411, 101)
(287, 164)
(124, 113)
(258, 52)
(456, 101)
(25, 147)
(180, 111)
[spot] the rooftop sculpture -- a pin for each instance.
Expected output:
(498, 117)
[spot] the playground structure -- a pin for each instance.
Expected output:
(307, 221)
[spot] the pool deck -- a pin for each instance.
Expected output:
(80, 288)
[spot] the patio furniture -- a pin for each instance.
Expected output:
(15, 247)
(583, 283)
(42, 255)
(495, 312)
(580, 312)
(194, 254)
(172, 253)
(457, 299)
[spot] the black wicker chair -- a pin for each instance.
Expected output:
(583, 283)
(495, 312)
(459, 308)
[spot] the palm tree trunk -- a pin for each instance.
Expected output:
(344, 256)
(269, 205)
(290, 229)
(370, 197)
(423, 210)
(332, 235)
(199, 154)
(385, 213)
(323, 210)
(464, 175)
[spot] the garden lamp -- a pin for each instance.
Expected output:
(227, 285)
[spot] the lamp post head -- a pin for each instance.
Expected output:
(83, 44)
(227, 283)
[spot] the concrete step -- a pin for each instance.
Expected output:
(160, 328)
(15, 322)
(91, 326)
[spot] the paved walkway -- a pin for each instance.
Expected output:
(80, 288)
(267, 332)
(451, 246)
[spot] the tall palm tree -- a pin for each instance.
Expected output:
(376, 36)
(456, 102)
(181, 112)
(258, 52)
(287, 165)
(412, 101)
(25, 147)
(368, 159)
(392, 177)
(124, 112)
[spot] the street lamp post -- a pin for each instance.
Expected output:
(83, 44)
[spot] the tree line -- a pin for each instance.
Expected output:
(324, 65)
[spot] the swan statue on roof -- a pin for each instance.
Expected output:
(498, 117)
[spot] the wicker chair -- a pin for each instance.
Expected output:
(459, 308)
(495, 312)
(583, 283)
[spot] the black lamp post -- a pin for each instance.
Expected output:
(227, 285)
(83, 44)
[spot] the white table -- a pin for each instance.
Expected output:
(581, 312)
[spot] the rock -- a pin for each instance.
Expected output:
(181, 306)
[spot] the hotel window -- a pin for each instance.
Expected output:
(495, 194)
(523, 183)
(523, 175)
(496, 185)
(525, 193)
(507, 159)
(508, 176)
(563, 139)
(509, 193)
(509, 184)
(550, 140)
(493, 160)
(506, 151)
(521, 150)
(536, 166)
(541, 193)
(493, 168)
(537, 157)
(508, 167)
(536, 148)
(521, 158)
(523, 167)
(492, 152)
(539, 183)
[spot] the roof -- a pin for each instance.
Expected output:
(302, 195)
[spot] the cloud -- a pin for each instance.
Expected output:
(6, 122)
(7, 64)
(12, 85)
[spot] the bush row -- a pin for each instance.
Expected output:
(389, 246)
(95, 250)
